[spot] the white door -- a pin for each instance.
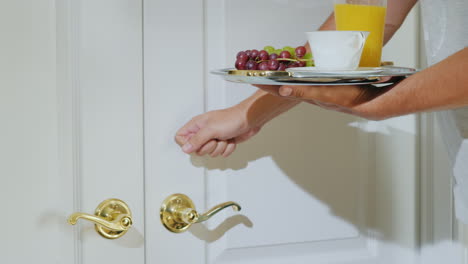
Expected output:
(93, 94)
(315, 186)
(72, 128)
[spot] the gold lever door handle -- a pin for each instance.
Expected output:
(112, 218)
(178, 212)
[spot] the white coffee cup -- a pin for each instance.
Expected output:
(337, 50)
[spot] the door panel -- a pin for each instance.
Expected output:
(174, 92)
(108, 85)
(309, 183)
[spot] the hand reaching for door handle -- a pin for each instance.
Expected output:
(216, 133)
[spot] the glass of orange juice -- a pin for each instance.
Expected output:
(364, 15)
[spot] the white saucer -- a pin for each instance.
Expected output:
(358, 71)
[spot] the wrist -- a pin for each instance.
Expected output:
(238, 111)
(262, 107)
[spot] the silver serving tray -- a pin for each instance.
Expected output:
(390, 74)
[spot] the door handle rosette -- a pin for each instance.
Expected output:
(112, 218)
(178, 212)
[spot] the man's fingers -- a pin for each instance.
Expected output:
(208, 147)
(229, 149)
(220, 148)
(272, 89)
(186, 132)
(197, 141)
(346, 96)
(217, 148)
(285, 91)
(182, 139)
(292, 92)
(326, 96)
(299, 92)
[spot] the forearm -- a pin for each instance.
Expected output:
(262, 107)
(397, 10)
(442, 86)
(329, 24)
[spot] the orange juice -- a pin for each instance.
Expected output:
(364, 18)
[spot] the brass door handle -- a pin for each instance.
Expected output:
(112, 218)
(178, 212)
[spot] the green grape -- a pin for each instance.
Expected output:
(269, 49)
(278, 51)
(291, 50)
(307, 56)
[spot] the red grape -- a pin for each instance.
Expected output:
(263, 55)
(254, 54)
(282, 67)
(273, 56)
(251, 65)
(300, 51)
(263, 66)
(293, 64)
(285, 54)
(240, 64)
(273, 65)
(243, 57)
(240, 53)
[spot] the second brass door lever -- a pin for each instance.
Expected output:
(178, 212)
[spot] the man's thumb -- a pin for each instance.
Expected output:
(285, 91)
(295, 91)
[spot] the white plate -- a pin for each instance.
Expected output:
(358, 71)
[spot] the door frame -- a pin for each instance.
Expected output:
(68, 101)
(433, 228)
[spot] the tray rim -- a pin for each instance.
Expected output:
(390, 75)
(259, 73)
